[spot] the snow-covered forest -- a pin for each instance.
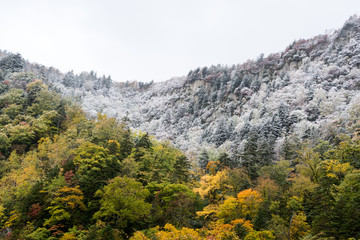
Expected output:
(309, 90)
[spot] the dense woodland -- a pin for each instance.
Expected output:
(64, 175)
(310, 90)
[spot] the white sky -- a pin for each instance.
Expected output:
(148, 40)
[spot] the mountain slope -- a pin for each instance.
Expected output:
(289, 96)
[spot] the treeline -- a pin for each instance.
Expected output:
(65, 176)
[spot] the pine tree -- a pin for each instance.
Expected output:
(289, 149)
(265, 153)
(106, 233)
(144, 142)
(226, 161)
(126, 144)
(203, 159)
(181, 169)
(221, 134)
(69, 79)
(12, 63)
(249, 157)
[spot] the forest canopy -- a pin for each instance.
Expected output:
(64, 175)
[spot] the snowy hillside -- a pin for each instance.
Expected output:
(285, 97)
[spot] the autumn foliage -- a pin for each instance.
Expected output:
(65, 176)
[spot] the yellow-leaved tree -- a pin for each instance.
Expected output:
(234, 211)
(214, 189)
(66, 206)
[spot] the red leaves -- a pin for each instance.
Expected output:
(35, 211)
(69, 177)
(56, 229)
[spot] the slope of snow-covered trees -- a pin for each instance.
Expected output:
(310, 90)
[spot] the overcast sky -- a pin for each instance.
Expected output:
(148, 40)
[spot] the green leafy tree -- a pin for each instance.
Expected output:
(175, 205)
(46, 124)
(13, 96)
(21, 134)
(13, 110)
(159, 163)
(106, 129)
(129, 167)
(309, 164)
(122, 203)
(239, 180)
(4, 144)
(94, 166)
(40, 99)
(290, 222)
(346, 215)
(347, 151)
(39, 234)
(277, 172)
